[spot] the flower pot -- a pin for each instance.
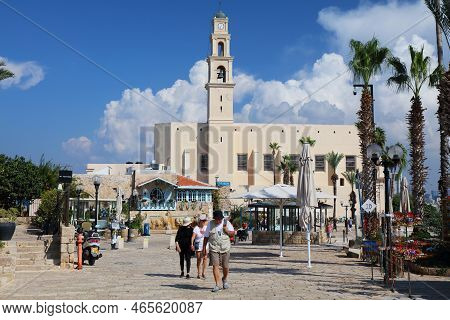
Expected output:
(7, 230)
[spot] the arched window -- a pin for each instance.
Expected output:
(221, 74)
(156, 194)
(220, 49)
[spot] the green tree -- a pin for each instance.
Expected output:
(367, 61)
(48, 214)
(49, 173)
(284, 167)
(19, 181)
(275, 147)
(5, 73)
(414, 79)
(333, 159)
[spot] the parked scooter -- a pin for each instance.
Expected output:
(91, 246)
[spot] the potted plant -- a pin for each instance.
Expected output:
(7, 223)
(136, 225)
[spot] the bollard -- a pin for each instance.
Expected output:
(80, 250)
(343, 236)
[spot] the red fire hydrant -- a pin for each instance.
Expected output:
(80, 239)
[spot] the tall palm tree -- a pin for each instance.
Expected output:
(307, 140)
(275, 147)
(350, 176)
(333, 160)
(5, 73)
(380, 137)
(284, 167)
(418, 74)
(367, 61)
(441, 13)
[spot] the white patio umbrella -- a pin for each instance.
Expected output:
(280, 194)
(306, 193)
(405, 206)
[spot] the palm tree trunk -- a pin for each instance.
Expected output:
(418, 171)
(286, 177)
(366, 132)
(444, 131)
(439, 38)
(274, 168)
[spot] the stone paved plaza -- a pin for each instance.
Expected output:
(257, 272)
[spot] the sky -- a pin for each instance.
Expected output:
(90, 73)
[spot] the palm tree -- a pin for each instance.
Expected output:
(284, 167)
(419, 73)
(367, 61)
(293, 167)
(333, 160)
(350, 176)
(441, 13)
(5, 73)
(275, 147)
(307, 140)
(380, 137)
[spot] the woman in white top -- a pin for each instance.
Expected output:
(197, 244)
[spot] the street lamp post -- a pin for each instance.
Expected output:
(97, 182)
(389, 158)
(134, 196)
(78, 189)
(351, 202)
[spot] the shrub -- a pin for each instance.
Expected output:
(9, 215)
(137, 222)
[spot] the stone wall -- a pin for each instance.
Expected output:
(7, 263)
(67, 249)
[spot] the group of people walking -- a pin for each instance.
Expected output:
(206, 240)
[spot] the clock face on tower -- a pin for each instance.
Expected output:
(220, 26)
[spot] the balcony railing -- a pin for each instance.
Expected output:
(157, 205)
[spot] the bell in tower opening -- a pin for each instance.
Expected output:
(221, 73)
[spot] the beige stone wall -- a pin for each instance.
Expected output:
(67, 241)
(7, 263)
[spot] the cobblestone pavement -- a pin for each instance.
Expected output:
(257, 272)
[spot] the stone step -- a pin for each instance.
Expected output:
(30, 250)
(31, 255)
(34, 268)
(36, 243)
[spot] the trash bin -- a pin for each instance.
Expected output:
(146, 229)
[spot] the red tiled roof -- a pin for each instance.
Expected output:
(183, 181)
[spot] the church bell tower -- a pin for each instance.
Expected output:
(220, 73)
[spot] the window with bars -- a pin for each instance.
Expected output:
(319, 163)
(295, 158)
(268, 162)
(202, 196)
(181, 195)
(242, 162)
(192, 196)
(204, 162)
(350, 163)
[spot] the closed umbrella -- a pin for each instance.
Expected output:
(119, 204)
(306, 193)
(405, 206)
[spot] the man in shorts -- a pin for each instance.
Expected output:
(218, 233)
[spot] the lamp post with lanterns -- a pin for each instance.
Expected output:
(346, 217)
(388, 159)
(97, 182)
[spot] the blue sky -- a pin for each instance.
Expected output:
(151, 44)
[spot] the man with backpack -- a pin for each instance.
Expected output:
(218, 234)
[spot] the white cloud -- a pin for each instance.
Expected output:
(26, 74)
(385, 21)
(77, 146)
(139, 109)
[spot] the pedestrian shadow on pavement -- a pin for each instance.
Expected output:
(425, 289)
(162, 275)
(254, 255)
(185, 286)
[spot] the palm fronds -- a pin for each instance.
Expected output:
(5, 73)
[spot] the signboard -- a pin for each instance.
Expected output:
(65, 176)
(221, 184)
(369, 206)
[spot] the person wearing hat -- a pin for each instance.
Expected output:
(217, 234)
(197, 244)
(183, 245)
